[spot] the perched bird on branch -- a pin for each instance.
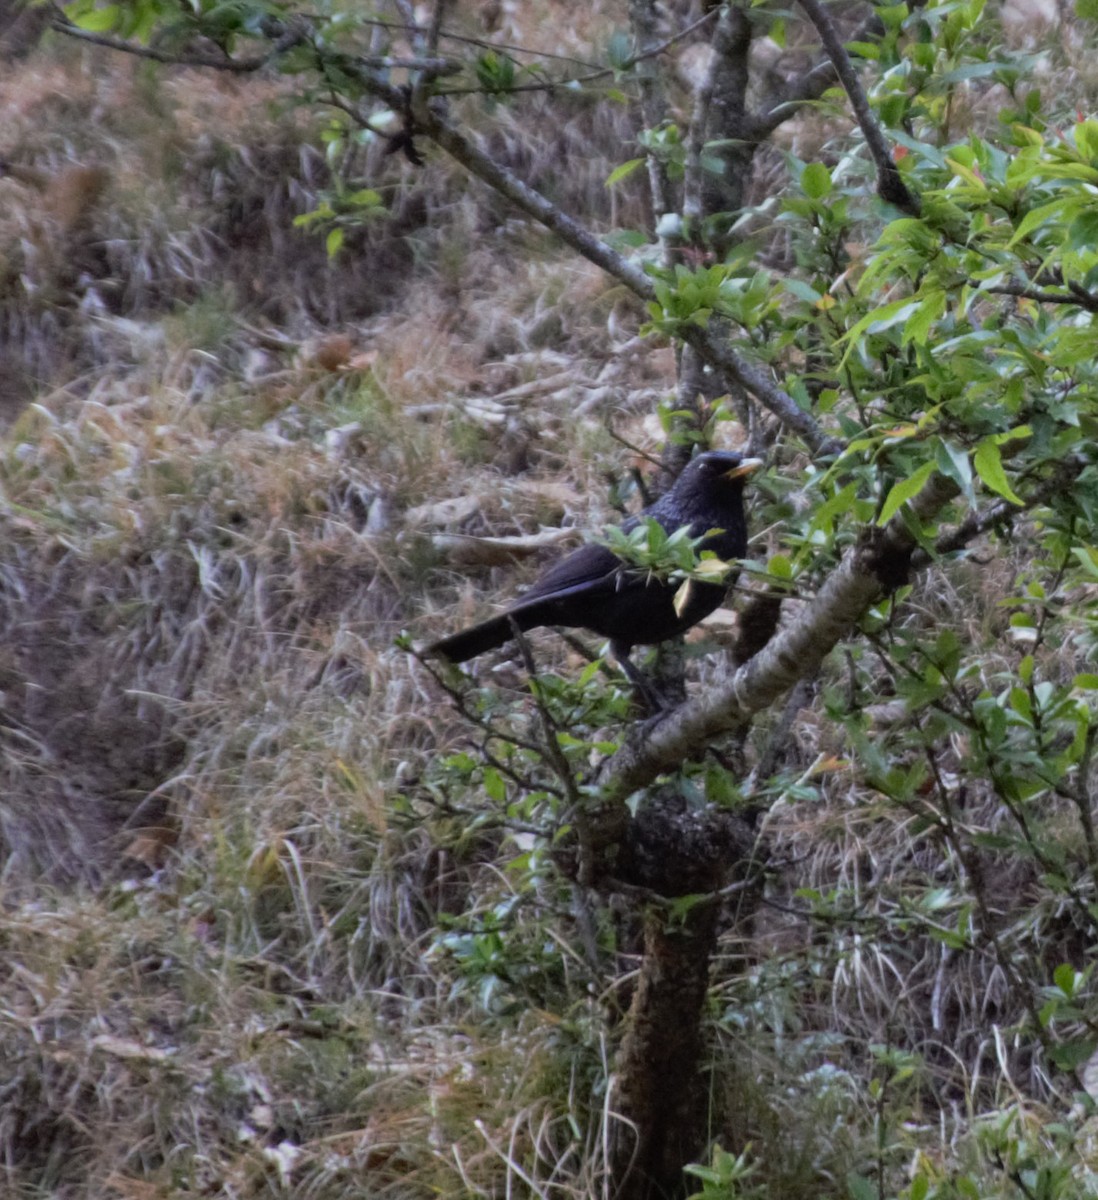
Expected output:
(595, 589)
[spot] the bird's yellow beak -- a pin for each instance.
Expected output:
(748, 467)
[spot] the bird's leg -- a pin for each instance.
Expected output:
(669, 671)
(646, 689)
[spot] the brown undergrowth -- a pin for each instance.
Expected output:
(208, 732)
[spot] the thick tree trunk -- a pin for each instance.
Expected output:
(671, 849)
(660, 1095)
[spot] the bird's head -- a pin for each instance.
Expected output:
(717, 470)
(708, 496)
(709, 491)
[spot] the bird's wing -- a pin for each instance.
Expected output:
(590, 568)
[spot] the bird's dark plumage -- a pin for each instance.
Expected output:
(594, 589)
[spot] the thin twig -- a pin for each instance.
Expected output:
(777, 742)
(585, 867)
(434, 28)
(596, 73)
(409, 27)
(244, 66)
(1002, 510)
(890, 185)
(1079, 297)
(171, 58)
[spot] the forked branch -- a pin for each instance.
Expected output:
(878, 563)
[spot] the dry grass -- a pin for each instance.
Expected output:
(206, 726)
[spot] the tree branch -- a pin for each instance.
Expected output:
(876, 564)
(716, 351)
(710, 344)
(800, 91)
(434, 125)
(1002, 510)
(434, 28)
(890, 185)
(1078, 296)
(796, 653)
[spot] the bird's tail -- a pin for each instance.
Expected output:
(468, 643)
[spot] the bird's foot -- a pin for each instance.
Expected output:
(652, 698)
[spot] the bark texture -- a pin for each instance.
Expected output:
(878, 563)
(660, 1095)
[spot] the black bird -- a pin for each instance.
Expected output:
(594, 589)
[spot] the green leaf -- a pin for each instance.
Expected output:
(619, 50)
(1083, 231)
(917, 327)
(972, 71)
(624, 171)
(803, 291)
(364, 198)
(841, 502)
(989, 466)
(903, 491)
(1066, 979)
(494, 786)
(861, 1188)
(1086, 138)
(1087, 558)
(495, 73)
(99, 20)
(816, 181)
(1063, 209)
(1072, 1054)
(967, 174)
(334, 242)
(878, 320)
(953, 463)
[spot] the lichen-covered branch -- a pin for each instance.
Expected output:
(727, 130)
(878, 561)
